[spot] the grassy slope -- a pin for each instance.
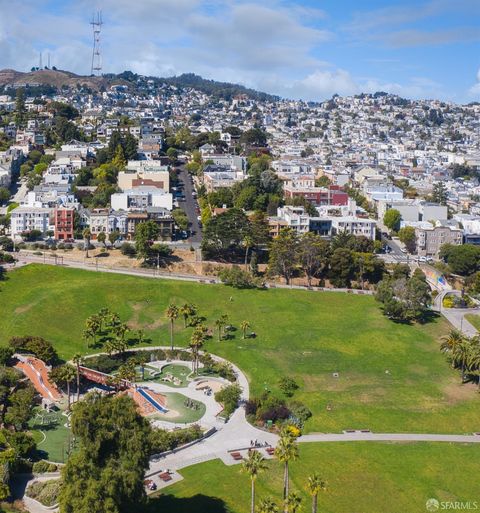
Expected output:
(361, 477)
(474, 319)
(300, 333)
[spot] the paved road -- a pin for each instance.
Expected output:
(456, 316)
(189, 205)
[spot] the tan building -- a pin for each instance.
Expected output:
(129, 179)
(431, 238)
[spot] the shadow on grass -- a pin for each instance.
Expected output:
(196, 504)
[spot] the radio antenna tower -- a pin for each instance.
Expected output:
(96, 24)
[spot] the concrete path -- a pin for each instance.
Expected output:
(456, 316)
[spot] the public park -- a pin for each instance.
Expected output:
(353, 370)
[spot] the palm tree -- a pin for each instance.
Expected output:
(220, 323)
(87, 335)
(93, 324)
(473, 360)
(293, 502)
(172, 314)
(77, 360)
(286, 451)
(451, 341)
(69, 374)
(102, 238)
(86, 239)
(247, 244)
(244, 325)
(187, 310)
(314, 486)
(196, 343)
(252, 466)
(141, 360)
(460, 355)
(267, 506)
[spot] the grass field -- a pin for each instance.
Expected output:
(53, 439)
(392, 377)
(474, 319)
(363, 477)
(175, 402)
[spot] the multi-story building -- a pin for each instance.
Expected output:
(141, 198)
(431, 237)
(26, 219)
(318, 196)
(63, 221)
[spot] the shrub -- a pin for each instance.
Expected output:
(103, 363)
(272, 408)
(229, 397)
(300, 412)
(5, 258)
(163, 440)
(40, 467)
(45, 492)
(128, 249)
(288, 386)
(238, 278)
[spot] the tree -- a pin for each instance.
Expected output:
(314, 486)
(4, 195)
(145, 234)
(312, 255)
(392, 219)
(196, 343)
(244, 325)
(463, 259)
(253, 465)
(101, 237)
(286, 451)
(408, 237)
(439, 194)
(187, 310)
(451, 341)
(20, 107)
(172, 314)
(64, 374)
(113, 236)
(223, 234)
(220, 323)
(78, 360)
(108, 468)
(283, 254)
(342, 267)
(86, 240)
(267, 506)
(293, 502)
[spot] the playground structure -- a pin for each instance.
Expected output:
(148, 402)
(37, 372)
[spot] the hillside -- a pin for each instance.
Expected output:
(53, 78)
(59, 78)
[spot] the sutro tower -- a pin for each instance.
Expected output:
(96, 24)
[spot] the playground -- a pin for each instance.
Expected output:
(53, 437)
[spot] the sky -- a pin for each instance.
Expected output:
(304, 49)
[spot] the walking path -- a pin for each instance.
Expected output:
(456, 316)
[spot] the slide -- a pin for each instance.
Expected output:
(144, 393)
(37, 372)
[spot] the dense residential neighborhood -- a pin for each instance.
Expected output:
(194, 273)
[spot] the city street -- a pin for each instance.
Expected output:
(189, 204)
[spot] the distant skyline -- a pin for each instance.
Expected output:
(305, 49)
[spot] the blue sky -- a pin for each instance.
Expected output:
(305, 49)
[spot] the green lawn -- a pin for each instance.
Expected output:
(363, 477)
(392, 377)
(474, 319)
(52, 439)
(176, 402)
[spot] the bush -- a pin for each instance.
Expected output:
(288, 386)
(300, 412)
(103, 363)
(128, 249)
(5, 258)
(163, 440)
(229, 397)
(238, 278)
(41, 467)
(45, 492)
(272, 408)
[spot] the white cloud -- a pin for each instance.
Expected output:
(475, 89)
